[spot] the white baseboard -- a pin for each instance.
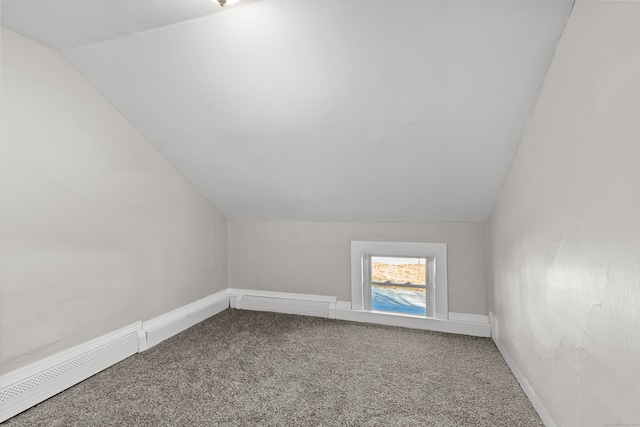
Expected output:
(465, 317)
(283, 302)
(343, 305)
(169, 324)
(28, 386)
(327, 306)
(524, 383)
(416, 322)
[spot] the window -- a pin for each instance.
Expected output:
(400, 278)
(399, 285)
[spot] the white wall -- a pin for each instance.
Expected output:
(565, 233)
(315, 257)
(97, 229)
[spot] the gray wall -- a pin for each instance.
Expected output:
(565, 233)
(315, 257)
(97, 229)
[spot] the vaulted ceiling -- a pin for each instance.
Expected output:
(317, 110)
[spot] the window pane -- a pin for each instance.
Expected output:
(399, 300)
(394, 292)
(398, 270)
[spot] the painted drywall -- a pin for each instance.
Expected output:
(337, 111)
(66, 24)
(565, 233)
(315, 258)
(97, 229)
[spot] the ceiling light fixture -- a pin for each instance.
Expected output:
(223, 3)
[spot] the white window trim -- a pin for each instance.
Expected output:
(362, 250)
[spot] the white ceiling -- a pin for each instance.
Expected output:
(325, 110)
(64, 24)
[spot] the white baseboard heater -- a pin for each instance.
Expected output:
(24, 388)
(282, 302)
(28, 386)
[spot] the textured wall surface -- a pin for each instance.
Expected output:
(565, 233)
(315, 257)
(97, 229)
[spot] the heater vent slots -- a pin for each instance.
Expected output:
(18, 396)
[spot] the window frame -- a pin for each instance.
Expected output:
(436, 253)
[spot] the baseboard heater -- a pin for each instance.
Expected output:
(28, 386)
(24, 388)
(32, 384)
(282, 302)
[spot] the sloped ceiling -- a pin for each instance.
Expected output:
(327, 110)
(64, 24)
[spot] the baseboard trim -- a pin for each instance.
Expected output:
(283, 302)
(328, 306)
(169, 324)
(28, 386)
(466, 317)
(415, 322)
(343, 305)
(524, 383)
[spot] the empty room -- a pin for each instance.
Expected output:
(320, 213)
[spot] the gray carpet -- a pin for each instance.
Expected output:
(244, 368)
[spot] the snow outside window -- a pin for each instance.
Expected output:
(402, 278)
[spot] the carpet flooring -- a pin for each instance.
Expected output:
(245, 368)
